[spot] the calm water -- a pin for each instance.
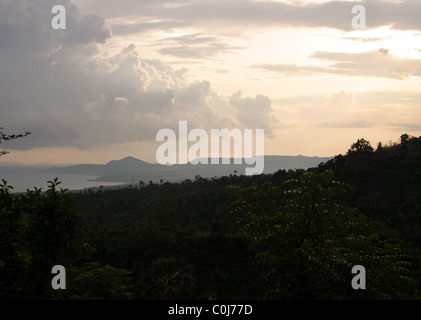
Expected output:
(22, 178)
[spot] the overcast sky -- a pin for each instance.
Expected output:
(122, 70)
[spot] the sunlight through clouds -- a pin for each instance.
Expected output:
(120, 72)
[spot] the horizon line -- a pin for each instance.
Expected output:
(10, 163)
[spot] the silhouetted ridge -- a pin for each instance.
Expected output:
(131, 169)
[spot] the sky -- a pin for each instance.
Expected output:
(102, 88)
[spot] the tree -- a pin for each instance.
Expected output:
(38, 230)
(95, 282)
(360, 147)
(404, 138)
(169, 278)
(308, 242)
(6, 137)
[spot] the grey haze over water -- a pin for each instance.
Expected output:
(131, 170)
(28, 177)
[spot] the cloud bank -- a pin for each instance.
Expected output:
(378, 64)
(58, 84)
(400, 15)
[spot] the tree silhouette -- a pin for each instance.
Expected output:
(404, 138)
(6, 137)
(360, 147)
(37, 231)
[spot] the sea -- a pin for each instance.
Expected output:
(22, 178)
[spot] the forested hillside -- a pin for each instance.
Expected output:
(387, 182)
(288, 235)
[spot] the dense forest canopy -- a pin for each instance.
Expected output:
(294, 234)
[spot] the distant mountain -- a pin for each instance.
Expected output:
(131, 169)
(86, 169)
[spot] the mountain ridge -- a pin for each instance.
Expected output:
(130, 168)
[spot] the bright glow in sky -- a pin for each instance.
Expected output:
(122, 70)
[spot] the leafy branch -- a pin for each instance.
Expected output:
(6, 137)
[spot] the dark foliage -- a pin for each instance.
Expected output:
(292, 235)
